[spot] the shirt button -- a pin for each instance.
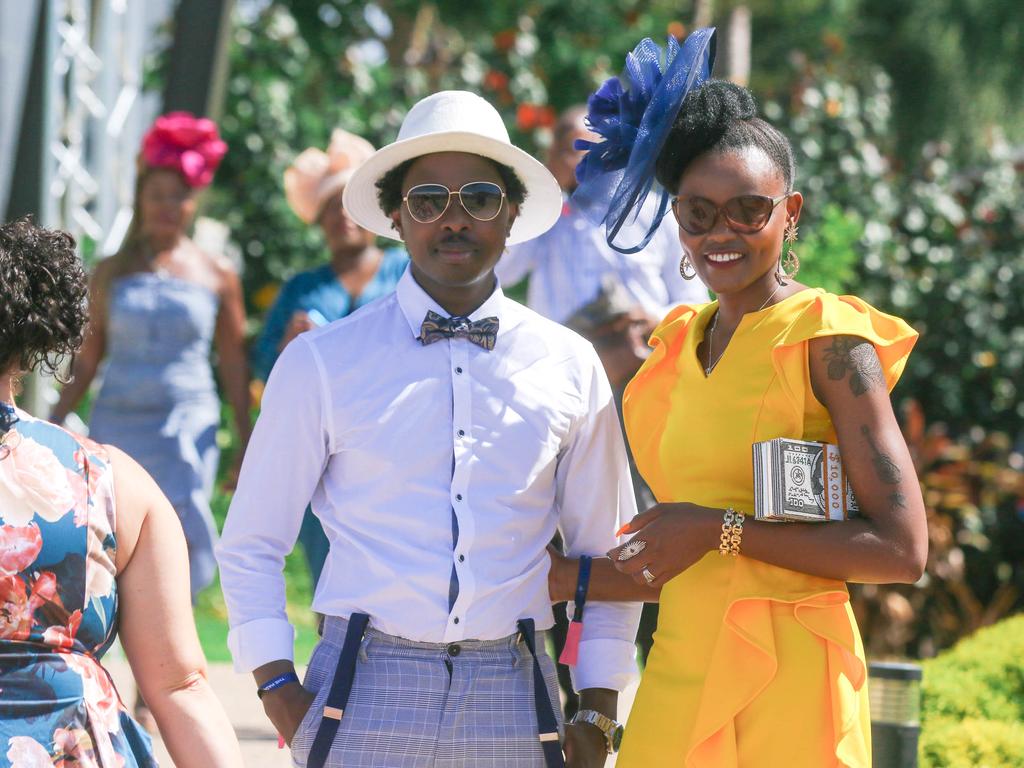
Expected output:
(462, 558)
(455, 620)
(462, 433)
(454, 649)
(458, 497)
(458, 370)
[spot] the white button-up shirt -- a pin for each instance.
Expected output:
(567, 263)
(387, 437)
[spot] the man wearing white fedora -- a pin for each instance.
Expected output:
(441, 434)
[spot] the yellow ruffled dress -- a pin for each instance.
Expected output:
(753, 665)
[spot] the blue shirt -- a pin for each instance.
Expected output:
(319, 289)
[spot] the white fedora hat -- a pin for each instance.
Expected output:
(455, 121)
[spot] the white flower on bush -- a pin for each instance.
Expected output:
(33, 482)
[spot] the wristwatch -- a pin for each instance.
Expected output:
(612, 730)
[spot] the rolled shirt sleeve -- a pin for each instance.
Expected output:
(283, 464)
(594, 498)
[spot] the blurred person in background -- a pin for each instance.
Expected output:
(157, 307)
(613, 299)
(358, 272)
(89, 548)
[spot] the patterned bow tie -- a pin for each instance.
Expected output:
(481, 332)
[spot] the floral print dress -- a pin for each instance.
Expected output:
(58, 603)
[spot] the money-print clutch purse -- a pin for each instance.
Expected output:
(800, 481)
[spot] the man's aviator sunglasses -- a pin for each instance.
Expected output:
(746, 214)
(480, 199)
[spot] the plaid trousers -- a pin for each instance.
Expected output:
(427, 705)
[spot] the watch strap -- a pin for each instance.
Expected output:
(609, 727)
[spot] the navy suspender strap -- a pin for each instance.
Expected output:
(341, 687)
(547, 725)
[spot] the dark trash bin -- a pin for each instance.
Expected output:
(894, 690)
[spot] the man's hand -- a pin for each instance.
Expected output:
(286, 706)
(584, 746)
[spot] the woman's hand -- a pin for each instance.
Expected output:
(562, 576)
(674, 536)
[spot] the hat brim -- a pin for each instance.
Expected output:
(537, 214)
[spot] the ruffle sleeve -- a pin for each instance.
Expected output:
(646, 397)
(832, 315)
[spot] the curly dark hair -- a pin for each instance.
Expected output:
(720, 116)
(43, 291)
(389, 186)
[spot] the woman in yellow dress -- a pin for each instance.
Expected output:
(757, 660)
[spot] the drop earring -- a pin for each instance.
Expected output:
(686, 268)
(790, 263)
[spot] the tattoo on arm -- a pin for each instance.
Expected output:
(897, 501)
(858, 357)
(887, 470)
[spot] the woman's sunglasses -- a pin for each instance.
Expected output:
(480, 199)
(745, 214)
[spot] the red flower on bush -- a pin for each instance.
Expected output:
(505, 40)
(187, 144)
(496, 81)
(529, 117)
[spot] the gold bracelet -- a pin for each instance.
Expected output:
(732, 532)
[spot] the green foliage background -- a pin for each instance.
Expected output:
(903, 114)
(973, 701)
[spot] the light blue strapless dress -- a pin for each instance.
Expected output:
(158, 402)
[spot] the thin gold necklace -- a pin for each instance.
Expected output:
(714, 324)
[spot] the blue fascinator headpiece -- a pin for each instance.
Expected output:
(633, 115)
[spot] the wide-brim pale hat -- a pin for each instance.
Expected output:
(455, 121)
(314, 176)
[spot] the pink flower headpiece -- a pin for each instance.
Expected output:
(185, 143)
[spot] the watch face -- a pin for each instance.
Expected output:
(616, 738)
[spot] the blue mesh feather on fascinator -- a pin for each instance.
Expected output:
(617, 173)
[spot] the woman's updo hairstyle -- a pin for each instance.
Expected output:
(42, 298)
(718, 117)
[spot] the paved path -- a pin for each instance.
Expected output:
(238, 695)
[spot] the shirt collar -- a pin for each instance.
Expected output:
(415, 302)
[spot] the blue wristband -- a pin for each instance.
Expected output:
(582, 584)
(276, 682)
